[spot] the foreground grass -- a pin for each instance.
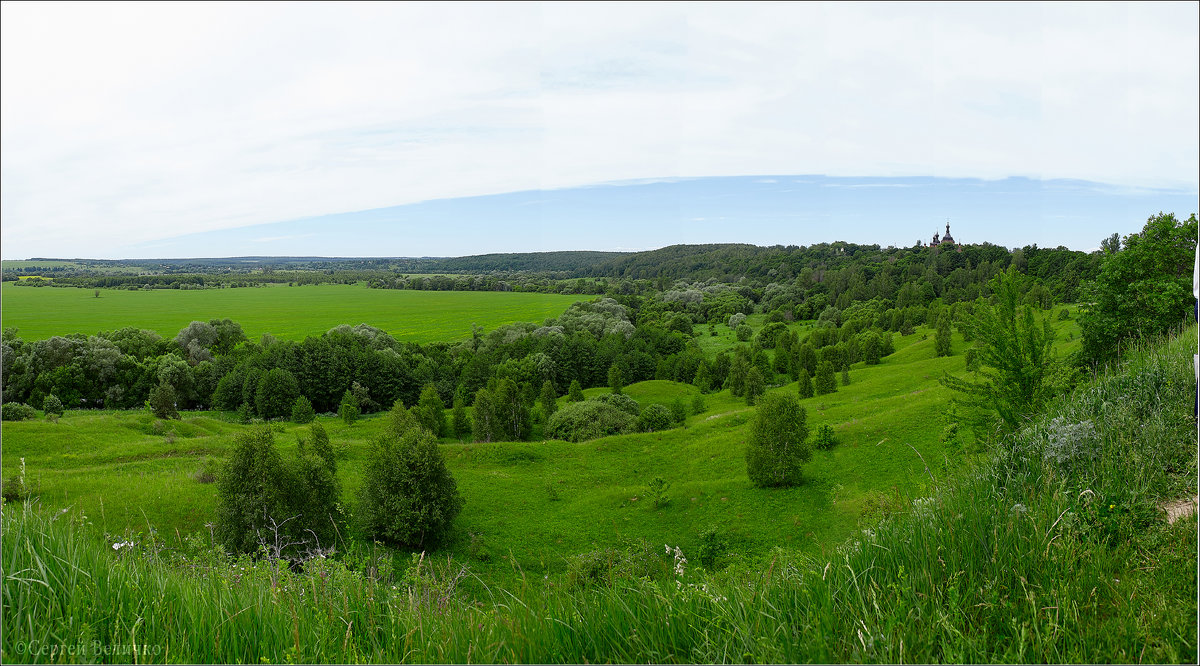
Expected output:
(1053, 550)
(288, 313)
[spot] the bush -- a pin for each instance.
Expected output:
(207, 473)
(755, 385)
(52, 405)
(408, 497)
(605, 566)
(655, 417)
(656, 492)
(743, 332)
(348, 408)
(16, 489)
(679, 411)
(590, 419)
(17, 411)
(575, 393)
(698, 406)
(322, 448)
(162, 401)
(824, 438)
(264, 502)
(616, 378)
(620, 401)
(430, 411)
(302, 411)
(712, 546)
(778, 442)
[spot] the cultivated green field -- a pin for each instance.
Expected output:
(290, 313)
(534, 504)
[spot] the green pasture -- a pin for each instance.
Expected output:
(290, 313)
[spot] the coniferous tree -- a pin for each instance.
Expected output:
(575, 393)
(616, 378)
(941, 340)
(825, 381)
(755, 385)
(805, 385)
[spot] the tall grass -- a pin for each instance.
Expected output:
(1052, 551)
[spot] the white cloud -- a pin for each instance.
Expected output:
(132, 122)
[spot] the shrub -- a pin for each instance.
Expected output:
(824, 438)
(656, 492)
(655, 417)
(348, 408)
(805, 385)
(616, 378)
(244, 414)
(735, 320)
(52, 405)
(620, 401)
(207, 473)
(743, 332)
(16, 489)
(408, 497)
(679, 411)
(17, 411)
(263, 502)
(321, 446)
(712, 546)
(755, 385)
(400, 420)
(590, 419)
(162, 401)
(548, 399)
(302, 411)
(698, 406)
(575, 393)
(1064, 314)
(824, 382)
(430, 411)
(778, 442)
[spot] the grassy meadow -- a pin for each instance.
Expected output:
(532, 505)
(288, 313)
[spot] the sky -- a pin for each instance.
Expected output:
(212, 129)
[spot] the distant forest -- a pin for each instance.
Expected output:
(918, 273)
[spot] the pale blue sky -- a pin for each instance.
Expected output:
(123, 125)
(762, 210)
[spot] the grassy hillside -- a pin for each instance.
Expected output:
(290, 313)
(536, 504)
(1050, 550)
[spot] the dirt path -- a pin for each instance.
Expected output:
(1180, 508)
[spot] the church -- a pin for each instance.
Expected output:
(944, 240)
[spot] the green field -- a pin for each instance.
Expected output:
(538, 503)
(290, 313)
